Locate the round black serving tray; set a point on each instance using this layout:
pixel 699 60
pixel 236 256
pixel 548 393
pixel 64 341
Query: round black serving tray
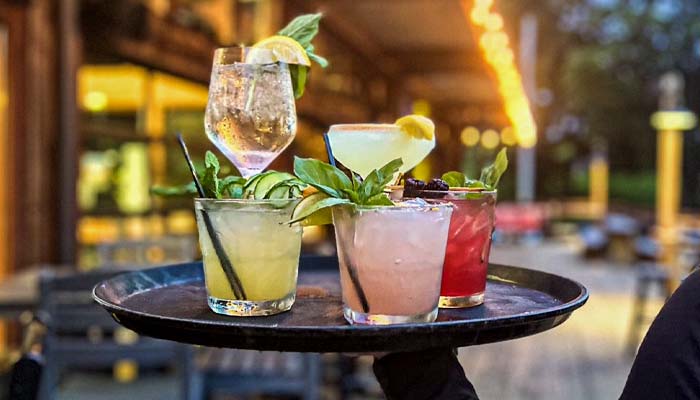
pixel 170 303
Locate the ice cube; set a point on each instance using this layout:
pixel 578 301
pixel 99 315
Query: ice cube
pixel 417 202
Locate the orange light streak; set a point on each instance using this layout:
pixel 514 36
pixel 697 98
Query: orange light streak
pixel 495 47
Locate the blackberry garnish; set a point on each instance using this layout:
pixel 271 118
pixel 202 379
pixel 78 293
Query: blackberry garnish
pixel 413 187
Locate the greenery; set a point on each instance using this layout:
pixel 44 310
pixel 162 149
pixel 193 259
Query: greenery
pixel 303 29
pixel 490 175
pixel 600 61
pixel 638 188
pixel 338 188
pixel 265 185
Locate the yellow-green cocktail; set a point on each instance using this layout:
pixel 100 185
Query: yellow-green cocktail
pixel 262 252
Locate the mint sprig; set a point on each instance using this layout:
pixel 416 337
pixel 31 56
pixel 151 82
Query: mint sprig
pixel 490 175
pixel 303 29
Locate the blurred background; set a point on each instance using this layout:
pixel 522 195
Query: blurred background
pixel 594 99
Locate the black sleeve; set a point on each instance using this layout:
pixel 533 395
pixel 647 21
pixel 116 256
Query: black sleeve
pixel 24 379
pixel 667 365
pixel 431 374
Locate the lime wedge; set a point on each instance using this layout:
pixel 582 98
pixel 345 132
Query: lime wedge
pixel 316 209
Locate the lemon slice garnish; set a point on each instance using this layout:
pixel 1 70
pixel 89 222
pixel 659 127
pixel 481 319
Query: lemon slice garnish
pixel 281 48
pixel 417 126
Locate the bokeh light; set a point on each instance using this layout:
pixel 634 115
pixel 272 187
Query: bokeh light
pixel 495 45
pixel 470 136
pixel 508 137
pixel 490 139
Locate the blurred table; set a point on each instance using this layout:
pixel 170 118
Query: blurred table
pixel 20 292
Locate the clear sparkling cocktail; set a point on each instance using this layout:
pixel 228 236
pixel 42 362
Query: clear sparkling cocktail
pixel 250 116
pixel 262 249
pixel 391 261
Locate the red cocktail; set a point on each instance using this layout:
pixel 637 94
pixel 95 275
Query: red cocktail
pixel 468 244
pixel 468 247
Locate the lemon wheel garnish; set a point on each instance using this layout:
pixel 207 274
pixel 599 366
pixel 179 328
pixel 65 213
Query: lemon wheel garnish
pixel 417 126
pixel 281 48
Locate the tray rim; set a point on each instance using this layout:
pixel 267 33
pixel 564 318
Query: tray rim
pixel 237 323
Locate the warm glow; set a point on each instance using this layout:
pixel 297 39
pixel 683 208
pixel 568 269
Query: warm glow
pixel 95 101
pixel 494 43
pixel 112 87
pixel 118 88
pixel 490 139
pixel 421 107
pixel 508 137
pixel 470 136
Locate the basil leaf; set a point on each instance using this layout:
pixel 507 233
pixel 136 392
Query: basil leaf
pixel 171 191
pixel 474 184
pixel 352 195
pixel 380 199
pixel 356 181
pixel 298 75
pixel 210 178
pixel 377 180
pixel 325 203
pixel 322 176
pixel 454 179
pixel 491 174
pixel 302 28
pixel 317 59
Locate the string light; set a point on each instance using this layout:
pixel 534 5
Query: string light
pixel 495 46
pixel 490 139
pixel 470 136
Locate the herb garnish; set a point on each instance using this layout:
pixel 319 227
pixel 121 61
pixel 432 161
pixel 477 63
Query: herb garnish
pixel 275 185
pixel 490 175
pixel 303 29
pixel 338 188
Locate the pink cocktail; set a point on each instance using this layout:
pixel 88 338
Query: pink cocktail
pixel 391 261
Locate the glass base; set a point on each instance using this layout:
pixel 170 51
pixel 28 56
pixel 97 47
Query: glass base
pixel 250 308
pixel 360 318
pixel 461 301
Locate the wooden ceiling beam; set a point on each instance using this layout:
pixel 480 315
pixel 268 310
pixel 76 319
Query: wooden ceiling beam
pixel 421 61
pixel 345 31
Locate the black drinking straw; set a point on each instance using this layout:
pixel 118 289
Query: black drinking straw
pixel 331 159
pixel 226 265
pixel 351 271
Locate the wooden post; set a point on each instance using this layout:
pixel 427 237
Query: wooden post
pixel 70 56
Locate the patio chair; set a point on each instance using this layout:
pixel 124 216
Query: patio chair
pixel 649 276
pixel 80 334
